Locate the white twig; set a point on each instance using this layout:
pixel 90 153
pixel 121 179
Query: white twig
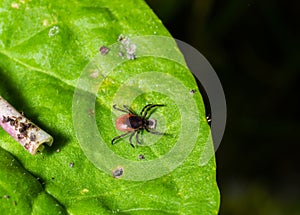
pixel 30 136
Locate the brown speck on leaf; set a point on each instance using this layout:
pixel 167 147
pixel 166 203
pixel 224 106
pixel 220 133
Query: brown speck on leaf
pixel 192 92
pixel 141 157
pixel 121 38
pixel 104 50
pixel 117 173
pixel 15 203
pixel 95 74
pixel 91 112
pixel 121 54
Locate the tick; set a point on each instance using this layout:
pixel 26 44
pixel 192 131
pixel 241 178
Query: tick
pixel 133 123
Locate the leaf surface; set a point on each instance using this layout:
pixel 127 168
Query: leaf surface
pixel 44 48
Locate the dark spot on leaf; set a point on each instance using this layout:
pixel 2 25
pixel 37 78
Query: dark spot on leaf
pixel 141 157
pixel 192 92
pixel 118 172
pixel 121 38
pixel 104 50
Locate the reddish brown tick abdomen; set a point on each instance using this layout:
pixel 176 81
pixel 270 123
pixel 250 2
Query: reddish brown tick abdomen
pixel 129 122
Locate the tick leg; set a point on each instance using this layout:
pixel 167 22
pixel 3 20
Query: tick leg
pixel 129 109
pixel 137 138
pixel 119 109
pixel 147 108
pixel 118 137
pixel 130 139
pixel 144 108
pixel 154 132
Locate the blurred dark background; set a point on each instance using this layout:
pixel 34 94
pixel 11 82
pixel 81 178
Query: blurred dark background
pixel 254 48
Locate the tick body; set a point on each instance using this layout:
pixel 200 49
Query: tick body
pixel 133 123
pixel 129 122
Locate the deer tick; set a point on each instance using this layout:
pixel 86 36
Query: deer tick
pixel 133 123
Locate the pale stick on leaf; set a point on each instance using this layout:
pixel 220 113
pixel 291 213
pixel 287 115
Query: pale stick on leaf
pixel 22 130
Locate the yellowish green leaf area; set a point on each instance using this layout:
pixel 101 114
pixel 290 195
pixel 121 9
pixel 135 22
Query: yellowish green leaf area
pixel 44 47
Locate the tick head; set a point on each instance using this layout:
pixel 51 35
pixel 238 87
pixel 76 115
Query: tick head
pixel 151 123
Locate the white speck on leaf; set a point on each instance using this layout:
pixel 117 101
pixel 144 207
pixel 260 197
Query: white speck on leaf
pixel 95 74
pixel 53 31
pixel 127 47
pixel 131 49
pixel 84 191
pixel 15 5
pixel 45 22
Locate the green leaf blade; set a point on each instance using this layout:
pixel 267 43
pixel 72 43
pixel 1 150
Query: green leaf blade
pixel 39 69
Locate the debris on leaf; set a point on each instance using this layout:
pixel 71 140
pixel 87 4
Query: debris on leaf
pixel 117 173
pixel 104 50
pixel 30 136
pixel 127 47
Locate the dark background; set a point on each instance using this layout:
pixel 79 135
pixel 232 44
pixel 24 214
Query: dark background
pixel 254 48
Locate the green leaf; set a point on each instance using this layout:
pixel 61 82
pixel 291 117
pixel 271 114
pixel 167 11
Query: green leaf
pixel 23 193
pixel 49 56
